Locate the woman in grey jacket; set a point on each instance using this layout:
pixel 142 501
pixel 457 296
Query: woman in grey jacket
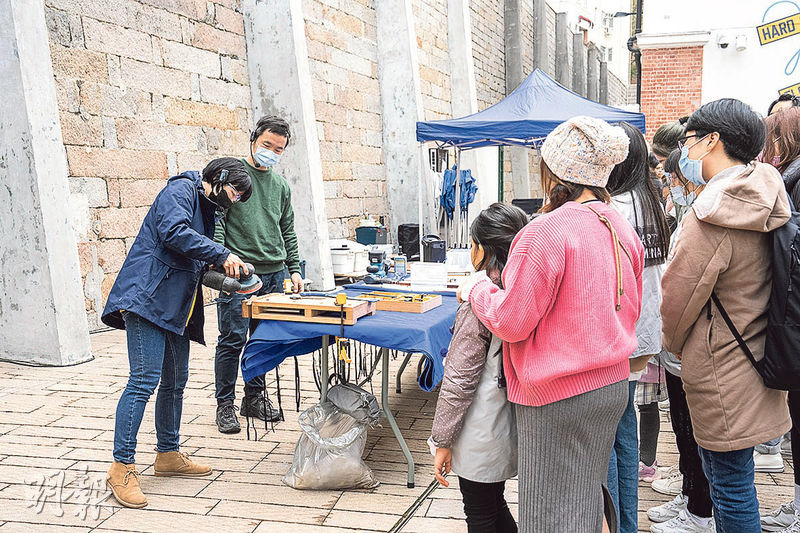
pixel 474 430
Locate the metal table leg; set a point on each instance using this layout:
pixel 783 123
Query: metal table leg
pixel 323 369
pixel 388 414
pixel 400 372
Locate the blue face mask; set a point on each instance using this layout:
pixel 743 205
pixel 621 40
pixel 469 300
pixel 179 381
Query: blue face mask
pixel 266 158
pixel 692 169
pixel 679 196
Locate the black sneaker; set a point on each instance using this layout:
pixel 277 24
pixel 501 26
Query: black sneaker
pixel 258 406
pixel 227 421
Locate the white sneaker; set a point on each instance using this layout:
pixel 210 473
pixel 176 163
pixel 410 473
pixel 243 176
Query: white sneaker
pixel 683 523
pixel 780 518
pixel 671 482
pixel 768 462
pixel 667 511
pixel 794 528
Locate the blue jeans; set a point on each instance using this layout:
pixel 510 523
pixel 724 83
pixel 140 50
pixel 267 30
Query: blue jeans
pixel 623 468
pixel 233 331
pixel 731 479
pixel 155 355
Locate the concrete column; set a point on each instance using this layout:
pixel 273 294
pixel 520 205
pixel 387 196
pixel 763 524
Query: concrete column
pixel 604 82
pixel 514 76
pixel 401 102
pixel 464 101
pixel 42 308
pixel 280 84
pixel 578 64
pixel 593 74
pixel 563 50
pixel 540 48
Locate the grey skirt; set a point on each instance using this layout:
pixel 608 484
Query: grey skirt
pixel 564 449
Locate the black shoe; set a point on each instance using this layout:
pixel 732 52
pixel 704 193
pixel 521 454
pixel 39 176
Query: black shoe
pixel 227 421
pixel 257 406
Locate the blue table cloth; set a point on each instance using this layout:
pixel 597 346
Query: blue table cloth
pixel 427 333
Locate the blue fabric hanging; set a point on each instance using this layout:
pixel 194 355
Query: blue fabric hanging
pixel 467 189
pixel 448 199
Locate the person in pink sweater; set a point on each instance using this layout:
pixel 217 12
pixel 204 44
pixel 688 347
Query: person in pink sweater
pixel 567 313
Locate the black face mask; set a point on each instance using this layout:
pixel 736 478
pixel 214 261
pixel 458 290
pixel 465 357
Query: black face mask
pixel 221 198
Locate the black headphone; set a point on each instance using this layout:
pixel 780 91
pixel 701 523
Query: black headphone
pixel 253 136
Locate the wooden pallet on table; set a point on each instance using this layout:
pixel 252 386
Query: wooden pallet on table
pixel 405 302
pixel 319 310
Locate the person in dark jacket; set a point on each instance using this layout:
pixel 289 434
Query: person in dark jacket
pixel 155 299
pixel 782 150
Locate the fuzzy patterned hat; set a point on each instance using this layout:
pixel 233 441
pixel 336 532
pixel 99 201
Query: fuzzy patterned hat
pixel 584 150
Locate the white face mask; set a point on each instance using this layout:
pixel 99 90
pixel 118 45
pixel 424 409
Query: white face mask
pixel 266 158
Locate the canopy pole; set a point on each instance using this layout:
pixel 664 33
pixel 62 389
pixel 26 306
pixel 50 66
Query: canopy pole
pixel 457 212
pixel 423 172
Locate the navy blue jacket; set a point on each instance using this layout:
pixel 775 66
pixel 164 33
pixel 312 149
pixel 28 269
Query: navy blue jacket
pixel 164 268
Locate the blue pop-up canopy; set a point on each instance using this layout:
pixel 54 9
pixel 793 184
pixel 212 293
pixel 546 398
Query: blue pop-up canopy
pixel 524 117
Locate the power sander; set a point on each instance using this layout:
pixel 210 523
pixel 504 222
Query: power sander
pixel 247 283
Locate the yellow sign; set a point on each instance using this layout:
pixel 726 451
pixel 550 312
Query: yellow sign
pixel 779 29
pixel 794 90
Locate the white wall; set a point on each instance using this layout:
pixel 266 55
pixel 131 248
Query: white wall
pixel 754 75
pixel 616 40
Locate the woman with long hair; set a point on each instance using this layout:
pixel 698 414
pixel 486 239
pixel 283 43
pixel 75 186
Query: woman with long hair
pixel 634 195
pixel 782 150
pixel 567 314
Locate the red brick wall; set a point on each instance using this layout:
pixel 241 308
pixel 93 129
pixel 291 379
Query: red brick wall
pixel 672 83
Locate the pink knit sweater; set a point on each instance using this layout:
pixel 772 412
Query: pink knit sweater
pixel 557 314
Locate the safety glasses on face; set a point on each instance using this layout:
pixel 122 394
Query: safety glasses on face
pixel 682 140
pixel 236 194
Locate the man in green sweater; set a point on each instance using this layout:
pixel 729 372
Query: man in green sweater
pixel 262 232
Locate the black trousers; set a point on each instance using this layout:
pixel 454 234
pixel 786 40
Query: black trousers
pixel 486 508
pixel 794 411
pixel 695 484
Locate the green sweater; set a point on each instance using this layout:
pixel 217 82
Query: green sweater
pixel 261 230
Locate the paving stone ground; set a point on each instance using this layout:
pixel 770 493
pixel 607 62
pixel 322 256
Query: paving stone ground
pixel 56 428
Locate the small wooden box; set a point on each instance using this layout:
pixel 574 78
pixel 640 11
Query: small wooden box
pixel 405 302
pixel 319 310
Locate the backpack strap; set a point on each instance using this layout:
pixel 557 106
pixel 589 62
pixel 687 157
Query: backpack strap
pixel 617 258
pixel 734 331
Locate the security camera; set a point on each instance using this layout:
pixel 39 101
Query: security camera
pixel 723 41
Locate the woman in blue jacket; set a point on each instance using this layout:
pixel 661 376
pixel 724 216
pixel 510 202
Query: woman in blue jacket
pixel 155 299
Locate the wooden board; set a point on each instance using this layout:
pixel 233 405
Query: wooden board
pixel 319 310
pixel 399 301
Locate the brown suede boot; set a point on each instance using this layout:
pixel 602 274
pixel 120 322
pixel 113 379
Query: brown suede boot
pixel 178 464
pixel 123 480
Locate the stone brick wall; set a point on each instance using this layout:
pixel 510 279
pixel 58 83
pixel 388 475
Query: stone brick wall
pixel 551 41
pixel 526 16
pixel 430 24
pixel 341 37
pixel 148 88
pixel 672 83
pixel 617 91
pixel 145 89
pixel 488 51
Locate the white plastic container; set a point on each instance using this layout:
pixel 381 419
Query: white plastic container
pixel 343 261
